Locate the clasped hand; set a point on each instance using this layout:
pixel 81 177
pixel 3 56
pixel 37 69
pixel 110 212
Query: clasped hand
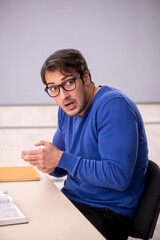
pixel 45 159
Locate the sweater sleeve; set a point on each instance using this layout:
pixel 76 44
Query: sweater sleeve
pixel 117 131
pixel 58 141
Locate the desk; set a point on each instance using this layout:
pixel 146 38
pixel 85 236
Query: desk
pixel 50 214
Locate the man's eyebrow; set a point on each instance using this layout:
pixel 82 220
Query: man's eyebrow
pixel 61 79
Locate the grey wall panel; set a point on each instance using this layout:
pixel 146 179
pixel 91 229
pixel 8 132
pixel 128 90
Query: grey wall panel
pixel 120 40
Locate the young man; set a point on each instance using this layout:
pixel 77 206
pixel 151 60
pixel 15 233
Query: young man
pixel 100 144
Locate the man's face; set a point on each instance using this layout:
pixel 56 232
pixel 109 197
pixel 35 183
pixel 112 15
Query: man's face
pixel 72 102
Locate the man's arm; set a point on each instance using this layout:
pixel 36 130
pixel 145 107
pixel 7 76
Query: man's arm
pixel 118 142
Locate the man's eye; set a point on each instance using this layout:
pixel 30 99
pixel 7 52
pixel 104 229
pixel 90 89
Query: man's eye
pixel 69 82
pixel 53 89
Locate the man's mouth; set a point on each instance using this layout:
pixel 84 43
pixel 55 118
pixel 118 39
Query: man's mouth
pixel 69 105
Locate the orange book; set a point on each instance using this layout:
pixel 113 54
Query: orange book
pixel 20 173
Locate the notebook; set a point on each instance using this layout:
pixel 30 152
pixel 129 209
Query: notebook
pixel 19 173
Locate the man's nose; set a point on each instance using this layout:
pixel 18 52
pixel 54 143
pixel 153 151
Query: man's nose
pixel 63 94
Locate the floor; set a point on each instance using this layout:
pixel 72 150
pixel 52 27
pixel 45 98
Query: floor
pixel 22 126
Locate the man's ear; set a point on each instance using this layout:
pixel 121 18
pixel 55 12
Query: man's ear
pixel 86 78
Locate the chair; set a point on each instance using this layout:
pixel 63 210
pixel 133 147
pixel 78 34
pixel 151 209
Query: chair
pixel 149 207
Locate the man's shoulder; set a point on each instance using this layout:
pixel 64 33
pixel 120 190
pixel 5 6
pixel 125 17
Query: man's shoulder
pixel 106 94
pixel 109 98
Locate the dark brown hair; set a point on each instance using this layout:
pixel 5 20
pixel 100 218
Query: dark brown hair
pixel 65 61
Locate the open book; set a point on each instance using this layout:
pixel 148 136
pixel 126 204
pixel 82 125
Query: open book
pixel 9 212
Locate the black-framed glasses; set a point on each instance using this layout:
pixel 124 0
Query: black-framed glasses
pixel 67 85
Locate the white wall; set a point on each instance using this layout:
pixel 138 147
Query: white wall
pixel 119 38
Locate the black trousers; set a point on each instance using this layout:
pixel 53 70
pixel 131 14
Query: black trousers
pixel 111 225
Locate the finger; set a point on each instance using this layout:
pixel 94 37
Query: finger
pixel 33 152
pixel 42 143
pixel 38 166
pixel 35 162
pixel 29 152
pixel 31 157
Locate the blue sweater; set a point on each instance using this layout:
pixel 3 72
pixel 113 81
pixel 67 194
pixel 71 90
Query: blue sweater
pixel 105 153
